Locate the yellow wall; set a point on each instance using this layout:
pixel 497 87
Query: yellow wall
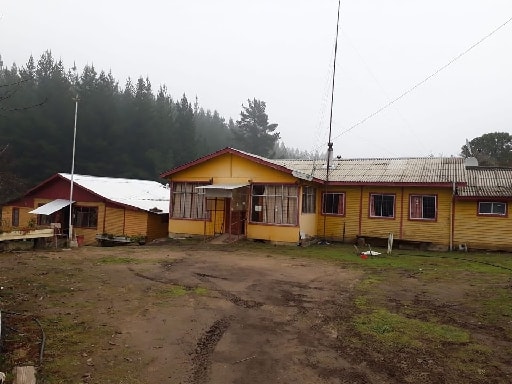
pixel 357 219
pixel 135 223
pixel 113 220
pixel 340 228
pixel 308 224
pixel 116 221
pixel 189 227
pixel 273 233
pixel 230 169
pixel 481 232
pixel 437 232
pixel 24 216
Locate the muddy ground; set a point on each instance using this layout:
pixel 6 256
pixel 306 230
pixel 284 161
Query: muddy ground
pixel 195 315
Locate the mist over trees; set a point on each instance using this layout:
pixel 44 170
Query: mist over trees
pixel 490 149
pixel 128 131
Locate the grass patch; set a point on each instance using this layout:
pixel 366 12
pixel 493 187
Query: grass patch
pixel 200 291
pixel 178 291
pixel 174 291
pixel 391 328
pixel 119 260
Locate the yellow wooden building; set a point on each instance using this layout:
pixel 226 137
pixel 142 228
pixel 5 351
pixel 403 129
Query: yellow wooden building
pixel 101 206
pixel 428 202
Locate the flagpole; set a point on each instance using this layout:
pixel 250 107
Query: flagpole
pixel 70 234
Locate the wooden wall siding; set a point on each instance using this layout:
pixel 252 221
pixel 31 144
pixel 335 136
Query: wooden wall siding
pixel 156 227
pixel 89 235
pixel 357 219
pixel 232 169
pixel 187 227
pixel 438 231
pixel 25 216
pixel 59 189
pixel 113 219
pixel 135 223
pixel 493 233
pixel 380 227
pixel 273 233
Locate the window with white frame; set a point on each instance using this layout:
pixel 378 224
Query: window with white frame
pixel 274 204
pixel 308 199
pixel 382 205
pixel 188 201
pixel 333 203
pixel 492 208
pixel 423 207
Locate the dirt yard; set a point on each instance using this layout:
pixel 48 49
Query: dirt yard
pixel 212 314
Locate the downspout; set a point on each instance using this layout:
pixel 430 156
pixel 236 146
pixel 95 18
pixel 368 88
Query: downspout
pixel 124 221
pixel 360 211
pixel 452 216
pixel 402 215
pixel 104 215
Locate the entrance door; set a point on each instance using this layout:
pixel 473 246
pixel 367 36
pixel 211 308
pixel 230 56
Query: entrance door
pixel 234 220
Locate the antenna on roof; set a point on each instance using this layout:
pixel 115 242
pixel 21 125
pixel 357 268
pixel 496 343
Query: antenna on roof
pixel 329 143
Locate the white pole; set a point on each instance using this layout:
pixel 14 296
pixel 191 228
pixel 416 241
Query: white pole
pixel 70 235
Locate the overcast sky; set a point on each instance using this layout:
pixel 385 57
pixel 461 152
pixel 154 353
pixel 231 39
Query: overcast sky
pixel 281 51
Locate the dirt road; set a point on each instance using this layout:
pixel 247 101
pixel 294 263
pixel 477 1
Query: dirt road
pixel 200 314
pixel 191 316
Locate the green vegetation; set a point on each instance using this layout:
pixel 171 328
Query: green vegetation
pixel 127 130
pixel 398 330
pixel 119 260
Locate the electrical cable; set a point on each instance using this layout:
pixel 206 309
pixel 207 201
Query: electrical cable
pixel 424 80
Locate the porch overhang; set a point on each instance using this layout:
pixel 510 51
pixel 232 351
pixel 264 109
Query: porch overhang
pixel 51 207
pixel 221 190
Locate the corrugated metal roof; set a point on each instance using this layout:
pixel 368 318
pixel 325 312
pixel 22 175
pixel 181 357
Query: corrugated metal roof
pixel 487 182
pixel 426 170
pixel 143 194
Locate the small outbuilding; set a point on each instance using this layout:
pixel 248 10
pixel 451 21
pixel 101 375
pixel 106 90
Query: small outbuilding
pixel 100 206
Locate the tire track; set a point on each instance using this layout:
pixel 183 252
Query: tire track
pixel 201 359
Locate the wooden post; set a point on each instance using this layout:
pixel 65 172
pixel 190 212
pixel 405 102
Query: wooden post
pixel 24 375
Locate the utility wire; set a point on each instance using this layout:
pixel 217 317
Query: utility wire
pixel 362 121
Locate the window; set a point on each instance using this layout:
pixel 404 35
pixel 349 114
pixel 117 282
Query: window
pixel 188 202
pixel 85 217
pixel 44 219
pixel 422 207
pixel 15 217
pixel 333 204
pixel 274 204
pixel 382 205
pixel 492 208
pixel 308 199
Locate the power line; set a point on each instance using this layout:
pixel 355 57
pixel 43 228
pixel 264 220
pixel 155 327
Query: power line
pixel 362 121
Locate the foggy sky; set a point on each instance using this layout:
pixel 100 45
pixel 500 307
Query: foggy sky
pixel 281 51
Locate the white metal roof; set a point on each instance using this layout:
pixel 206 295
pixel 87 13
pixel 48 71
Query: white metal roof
pixel 52 206
pixel 143 194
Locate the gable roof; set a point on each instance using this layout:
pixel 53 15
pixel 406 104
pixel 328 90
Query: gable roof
pixel 428 170
pixel 471 181
pixel 146 195
pixel 255 158
pixel 443 171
